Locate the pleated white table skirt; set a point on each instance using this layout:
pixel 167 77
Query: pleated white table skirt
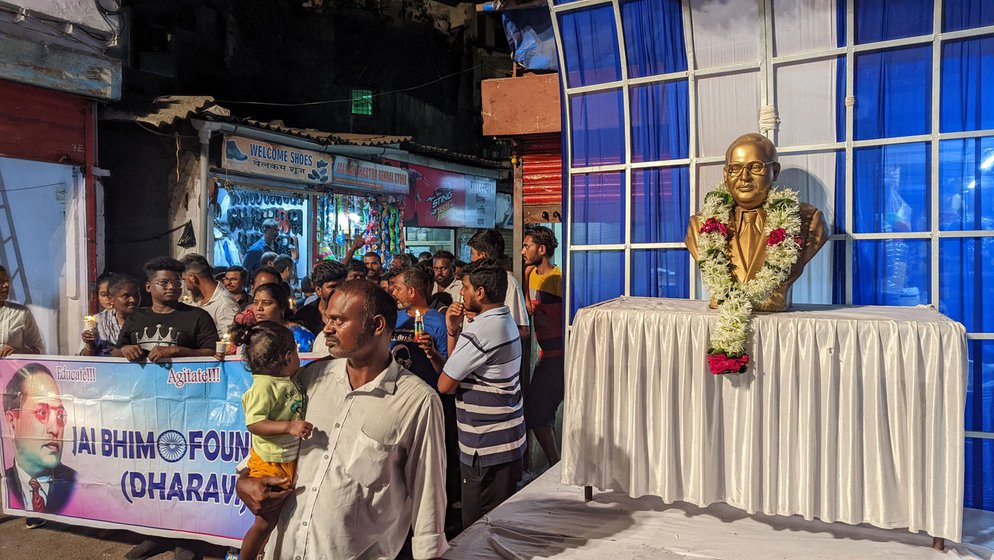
pixel 850 414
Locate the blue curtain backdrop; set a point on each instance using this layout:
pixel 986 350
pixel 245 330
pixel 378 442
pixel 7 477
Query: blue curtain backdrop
pixel 892 185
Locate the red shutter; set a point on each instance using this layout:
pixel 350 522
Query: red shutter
pixel 542 161
pixel 42 124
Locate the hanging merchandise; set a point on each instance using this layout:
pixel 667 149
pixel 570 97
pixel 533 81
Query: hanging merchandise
pixel 343 217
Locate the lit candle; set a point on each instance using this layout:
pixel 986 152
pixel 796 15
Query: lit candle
pixel 89 322
pixel 419 324
pixel 221 346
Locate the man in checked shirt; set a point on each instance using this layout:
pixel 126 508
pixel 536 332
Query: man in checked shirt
pixel 374 467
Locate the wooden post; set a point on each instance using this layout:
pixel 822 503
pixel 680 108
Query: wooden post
pixel 588 493
pixel 939 544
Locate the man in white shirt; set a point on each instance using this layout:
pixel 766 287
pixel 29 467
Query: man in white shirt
pixel 207 294
pixel 375 467
pixel 489 244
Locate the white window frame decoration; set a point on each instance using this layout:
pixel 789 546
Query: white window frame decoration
pixel 767 66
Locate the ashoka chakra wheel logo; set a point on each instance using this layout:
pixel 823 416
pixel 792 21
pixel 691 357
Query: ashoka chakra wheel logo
pixel 171 445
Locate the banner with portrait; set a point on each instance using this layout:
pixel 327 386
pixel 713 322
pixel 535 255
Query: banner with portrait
pixel 103 442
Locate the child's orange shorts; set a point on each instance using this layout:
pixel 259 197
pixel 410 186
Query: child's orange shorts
pixel 259 468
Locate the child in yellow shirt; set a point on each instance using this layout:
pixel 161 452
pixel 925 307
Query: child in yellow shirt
pixel 274 411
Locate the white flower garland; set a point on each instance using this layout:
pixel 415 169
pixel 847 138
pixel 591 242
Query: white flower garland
pixel 735 300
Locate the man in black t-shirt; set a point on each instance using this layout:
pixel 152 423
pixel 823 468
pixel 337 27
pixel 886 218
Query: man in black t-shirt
pixel 326 276
pixel 169 329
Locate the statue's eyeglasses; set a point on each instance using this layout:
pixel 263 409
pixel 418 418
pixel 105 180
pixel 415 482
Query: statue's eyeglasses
pixel 754 167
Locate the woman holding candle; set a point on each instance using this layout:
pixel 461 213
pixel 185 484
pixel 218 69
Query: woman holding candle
pixel 18 330
pixel 102 334
pixel 271 302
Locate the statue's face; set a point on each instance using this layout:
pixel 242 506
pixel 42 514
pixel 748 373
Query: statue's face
pixel 751 182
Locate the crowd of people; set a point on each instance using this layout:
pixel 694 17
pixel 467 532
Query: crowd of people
pixel 417 392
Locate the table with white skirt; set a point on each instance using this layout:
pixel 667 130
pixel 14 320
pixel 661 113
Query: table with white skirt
pixel 848 414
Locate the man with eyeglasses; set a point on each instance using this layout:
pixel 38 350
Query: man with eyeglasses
pixel 265 244
pixel 168 329
pixel 37 480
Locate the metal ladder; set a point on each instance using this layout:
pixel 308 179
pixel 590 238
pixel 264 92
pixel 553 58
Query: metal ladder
pixel 10 238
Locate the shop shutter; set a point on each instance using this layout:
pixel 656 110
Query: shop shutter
pixel 542 161
pixel 41 124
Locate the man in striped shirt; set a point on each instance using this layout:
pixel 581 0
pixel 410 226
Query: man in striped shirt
pixel 482 371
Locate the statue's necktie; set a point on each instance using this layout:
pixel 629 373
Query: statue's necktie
pixel 749 234
pixel 37 502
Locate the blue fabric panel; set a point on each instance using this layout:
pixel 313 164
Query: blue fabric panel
pixel 598 208
pixel 660 128
pixel 661 273
pixel 880 20
pixel 893 93
pixel 966 184
pixel 590 46
pixel 531 37
pixel 979 483
pixel 598 128
pixel 597 276
pixel 660 204
pixel 891 272
pixel 654 42
pixel 891 188
pixel 980 386
pixel 964 14
pixel 966 282
pixel 840 24
pixel 967 85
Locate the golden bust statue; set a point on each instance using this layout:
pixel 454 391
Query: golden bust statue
pixel 750 169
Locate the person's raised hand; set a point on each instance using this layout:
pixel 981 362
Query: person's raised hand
pixel 6 350
pixel 454 316
pixel 301 428
pixel 358 243
pixel 261 494
pixel 132 352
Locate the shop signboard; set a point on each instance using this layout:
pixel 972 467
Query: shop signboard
pixel 360 175
pixel 277 161
pixel 446 199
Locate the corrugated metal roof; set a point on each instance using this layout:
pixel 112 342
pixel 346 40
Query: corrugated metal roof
pixel 449 155
pixel 166 111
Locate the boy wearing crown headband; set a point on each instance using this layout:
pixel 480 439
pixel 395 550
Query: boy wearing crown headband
pixel 168 329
